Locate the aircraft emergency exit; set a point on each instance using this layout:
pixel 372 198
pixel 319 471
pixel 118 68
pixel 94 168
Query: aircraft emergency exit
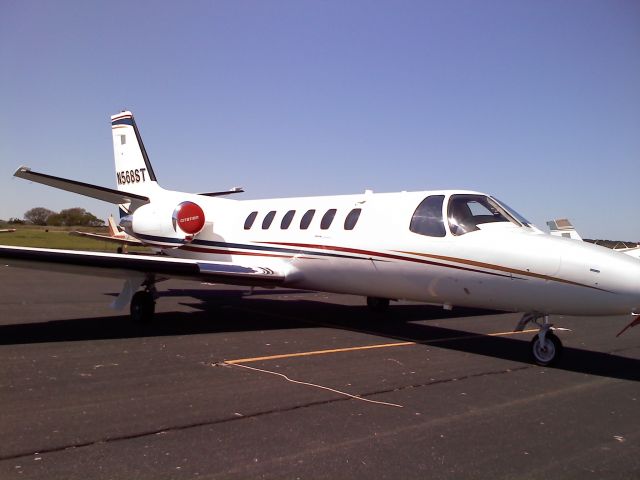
pixel 446 247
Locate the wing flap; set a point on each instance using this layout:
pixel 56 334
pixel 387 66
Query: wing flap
pixel 122 266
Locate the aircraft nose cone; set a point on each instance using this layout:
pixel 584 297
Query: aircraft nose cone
pixel 610 280
pixel 627 277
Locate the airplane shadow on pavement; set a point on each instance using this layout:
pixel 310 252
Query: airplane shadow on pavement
pixel 220 311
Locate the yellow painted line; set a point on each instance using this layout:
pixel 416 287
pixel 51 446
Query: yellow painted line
pixel 318 352
pixel 370 347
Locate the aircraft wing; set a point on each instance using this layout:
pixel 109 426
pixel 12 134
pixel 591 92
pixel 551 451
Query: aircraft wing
pixel 107 238
pixel 124 266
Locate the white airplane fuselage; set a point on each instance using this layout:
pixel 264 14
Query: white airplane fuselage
pixel 502 266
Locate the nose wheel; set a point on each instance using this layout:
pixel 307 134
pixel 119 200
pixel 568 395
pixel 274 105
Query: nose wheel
pixel 545 350
pixel 546 347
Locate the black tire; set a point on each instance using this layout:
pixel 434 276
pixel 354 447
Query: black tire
pixel 377 304
pixel 143 307
pixel 548 354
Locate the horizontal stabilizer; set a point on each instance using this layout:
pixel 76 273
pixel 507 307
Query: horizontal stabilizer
pixel 100 193
pixel 122 266
pixel 225 192
pixel 129 240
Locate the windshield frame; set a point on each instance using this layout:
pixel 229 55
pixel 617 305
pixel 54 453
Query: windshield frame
pixel 514 213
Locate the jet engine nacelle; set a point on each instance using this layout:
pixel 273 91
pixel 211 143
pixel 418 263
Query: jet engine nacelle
pixel 169 224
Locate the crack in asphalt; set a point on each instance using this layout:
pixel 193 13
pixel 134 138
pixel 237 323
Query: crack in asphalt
pixel 207 423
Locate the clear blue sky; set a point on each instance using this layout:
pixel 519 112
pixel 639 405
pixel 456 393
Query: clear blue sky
pixel 536 102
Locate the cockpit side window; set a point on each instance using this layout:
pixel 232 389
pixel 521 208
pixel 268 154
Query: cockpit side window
pixel 466 212
pixel 427 219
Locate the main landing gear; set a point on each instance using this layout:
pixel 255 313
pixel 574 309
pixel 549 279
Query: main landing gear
pixel 143 306
pixel 546 347
pixel 142 303
pixel 377 304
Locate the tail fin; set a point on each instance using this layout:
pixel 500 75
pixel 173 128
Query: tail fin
pixel 562 227
pixel 134 172
pixel 113 229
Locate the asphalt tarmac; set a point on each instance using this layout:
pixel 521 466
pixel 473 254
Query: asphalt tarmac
pixel 284 384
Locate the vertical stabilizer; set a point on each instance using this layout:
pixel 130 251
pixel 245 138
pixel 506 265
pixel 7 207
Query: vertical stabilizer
pixel 562 227
pixel 134 172
pixel 113 229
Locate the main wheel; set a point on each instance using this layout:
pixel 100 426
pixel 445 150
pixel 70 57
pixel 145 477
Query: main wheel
pixel 378 304
pixel 547 353
pixel 143 306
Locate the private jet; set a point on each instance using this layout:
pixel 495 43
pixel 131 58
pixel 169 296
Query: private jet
pixel 454 248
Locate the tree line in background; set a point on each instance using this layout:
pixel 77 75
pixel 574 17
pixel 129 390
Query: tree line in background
pixel 71 217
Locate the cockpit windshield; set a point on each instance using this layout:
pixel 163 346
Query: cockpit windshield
pixel 467 211
pixel 514 214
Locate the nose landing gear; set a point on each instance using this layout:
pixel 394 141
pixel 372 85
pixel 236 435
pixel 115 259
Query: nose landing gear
pixel 546 347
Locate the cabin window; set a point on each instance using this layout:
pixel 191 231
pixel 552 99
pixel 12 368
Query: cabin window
pixel 266 223
pixel 352 219
pixel 427 219
pixel 250 219
pixel 468 211
pixel 286 220
pixel 327 219
pixel 306 219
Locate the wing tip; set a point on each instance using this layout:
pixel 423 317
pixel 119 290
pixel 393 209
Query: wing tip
pixel 21 170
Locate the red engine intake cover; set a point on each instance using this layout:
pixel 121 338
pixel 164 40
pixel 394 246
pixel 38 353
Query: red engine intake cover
pixel 189 217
